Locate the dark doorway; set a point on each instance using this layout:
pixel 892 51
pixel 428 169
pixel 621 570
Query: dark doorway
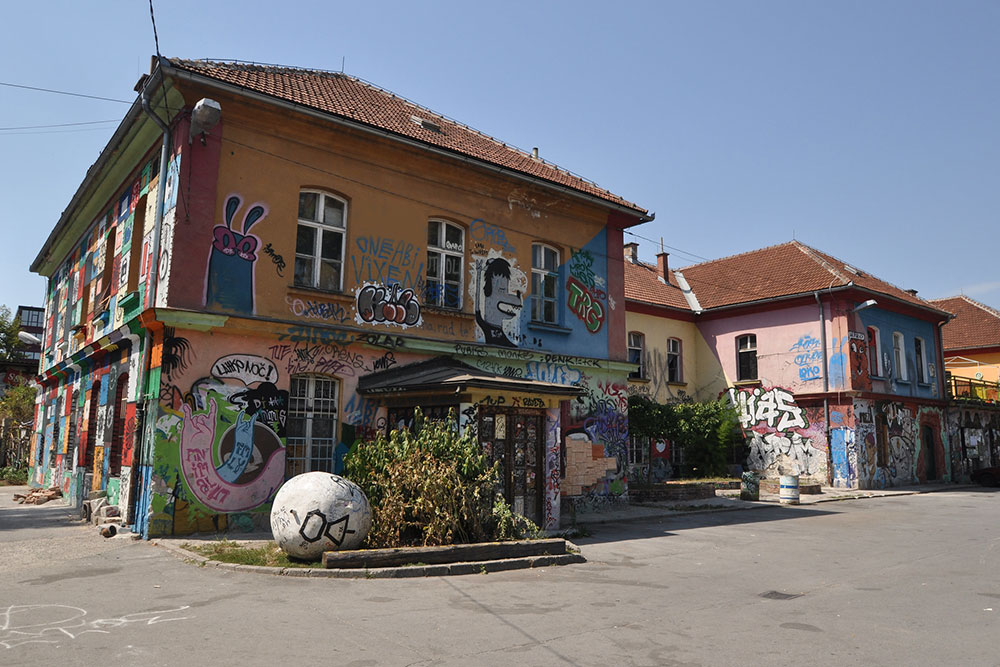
pixel 88 446
pixel 516 438
pixel 118 428
pixel 930 458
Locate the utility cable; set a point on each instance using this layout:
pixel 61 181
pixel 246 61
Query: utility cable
pixel 63 92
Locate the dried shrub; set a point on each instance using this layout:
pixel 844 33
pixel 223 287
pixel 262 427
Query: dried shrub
pixel 432 486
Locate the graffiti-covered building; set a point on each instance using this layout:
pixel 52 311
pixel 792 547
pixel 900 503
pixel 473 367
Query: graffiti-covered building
pixel 329 256
pixel 972 365
pixel 837 375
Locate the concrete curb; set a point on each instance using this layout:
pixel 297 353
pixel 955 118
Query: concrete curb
pixel 763 504
pixel 451 569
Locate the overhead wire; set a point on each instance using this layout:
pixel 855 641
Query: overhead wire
pixel 63 92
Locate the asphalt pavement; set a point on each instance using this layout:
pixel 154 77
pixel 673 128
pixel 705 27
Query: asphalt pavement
pixel 893 580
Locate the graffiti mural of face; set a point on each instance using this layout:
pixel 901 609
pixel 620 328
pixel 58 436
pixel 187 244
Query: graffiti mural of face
pixel 499 304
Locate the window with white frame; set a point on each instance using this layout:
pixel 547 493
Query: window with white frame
pixel 544 283
pixel 637 354
pixel 920 357
pixel 312 424
pixel 746 355
pixel 445 258
pixel 899 354
pixel 319 242
pixel 874 353
pixel 674 368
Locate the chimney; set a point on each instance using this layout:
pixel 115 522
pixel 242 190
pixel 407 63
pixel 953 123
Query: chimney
pixel 662 266
pixel 632 252
pixel 534 152
pixel 912 292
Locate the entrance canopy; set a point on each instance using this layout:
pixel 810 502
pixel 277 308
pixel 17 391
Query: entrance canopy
pixel 444 375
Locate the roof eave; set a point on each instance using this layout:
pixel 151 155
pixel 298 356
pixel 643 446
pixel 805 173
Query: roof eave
pixel 942 315
pixel 642 215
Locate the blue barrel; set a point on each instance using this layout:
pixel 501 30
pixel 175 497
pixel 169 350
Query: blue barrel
pixel 789 492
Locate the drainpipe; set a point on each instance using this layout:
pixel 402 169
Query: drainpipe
pixel 826 390
pixel 152 281
pixel 946 427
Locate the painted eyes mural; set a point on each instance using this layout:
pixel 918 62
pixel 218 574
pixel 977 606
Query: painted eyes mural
pixel 496 288
pixel 230 280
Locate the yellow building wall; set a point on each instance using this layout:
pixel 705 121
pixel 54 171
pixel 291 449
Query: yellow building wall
pixel 701 374
pixel 970 364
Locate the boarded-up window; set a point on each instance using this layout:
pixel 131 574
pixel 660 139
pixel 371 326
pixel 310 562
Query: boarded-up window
pixel 135 253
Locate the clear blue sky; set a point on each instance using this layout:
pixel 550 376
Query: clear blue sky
pixel 869 129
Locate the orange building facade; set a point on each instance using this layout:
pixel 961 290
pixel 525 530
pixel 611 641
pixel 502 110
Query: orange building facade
pixel 330 258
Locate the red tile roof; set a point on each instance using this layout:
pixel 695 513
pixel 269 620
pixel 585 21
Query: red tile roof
pixel 642 283
pixel 351 98
pixel 975 324
pixel 781 270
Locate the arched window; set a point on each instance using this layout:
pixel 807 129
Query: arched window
pixel 746 354
pixel 319 241
pixel 637 354
pixel 88 446
pixel 675 369
pixel 874 352
pixel 899 355
pixel 445 259
pixel 544 284
pixel 118 426
pixel 312 424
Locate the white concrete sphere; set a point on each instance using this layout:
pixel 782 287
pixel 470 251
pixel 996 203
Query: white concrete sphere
pixel 316 512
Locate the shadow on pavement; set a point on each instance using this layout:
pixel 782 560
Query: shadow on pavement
pixel 14 516
pixel 674 523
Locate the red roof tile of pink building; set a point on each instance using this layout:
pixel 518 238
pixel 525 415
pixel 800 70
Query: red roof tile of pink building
pixel 778 271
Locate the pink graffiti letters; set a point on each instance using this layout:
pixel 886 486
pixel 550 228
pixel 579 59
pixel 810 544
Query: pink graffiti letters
pixel 213 486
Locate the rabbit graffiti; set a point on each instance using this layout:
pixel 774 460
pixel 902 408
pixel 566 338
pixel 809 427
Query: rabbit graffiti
pixel 379 304
pixel 230 282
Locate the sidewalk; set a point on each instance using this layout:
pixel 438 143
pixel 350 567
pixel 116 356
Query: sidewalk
pixel 729 500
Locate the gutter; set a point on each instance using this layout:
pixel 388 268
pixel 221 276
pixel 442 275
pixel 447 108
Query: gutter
pixel 839 288
pixel 329 117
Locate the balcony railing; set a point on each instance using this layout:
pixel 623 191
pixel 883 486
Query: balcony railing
pixel 967 389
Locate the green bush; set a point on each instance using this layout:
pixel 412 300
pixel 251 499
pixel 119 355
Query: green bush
pixel 706 431
pixel 431 486
pixel 14 475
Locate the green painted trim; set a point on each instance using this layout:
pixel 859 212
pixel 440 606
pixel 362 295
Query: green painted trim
pixel 188 319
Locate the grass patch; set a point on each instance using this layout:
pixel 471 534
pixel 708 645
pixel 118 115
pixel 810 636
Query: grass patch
pixel 267 555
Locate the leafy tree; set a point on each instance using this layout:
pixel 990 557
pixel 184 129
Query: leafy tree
pixel 705 431
pixel 10 344
pixel 18 402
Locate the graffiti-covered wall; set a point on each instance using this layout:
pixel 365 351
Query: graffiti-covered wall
pixel 784 438
pixel 974 433
pixel 899 443
pixel 389 240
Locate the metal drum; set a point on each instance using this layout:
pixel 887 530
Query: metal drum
pixel 789 492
